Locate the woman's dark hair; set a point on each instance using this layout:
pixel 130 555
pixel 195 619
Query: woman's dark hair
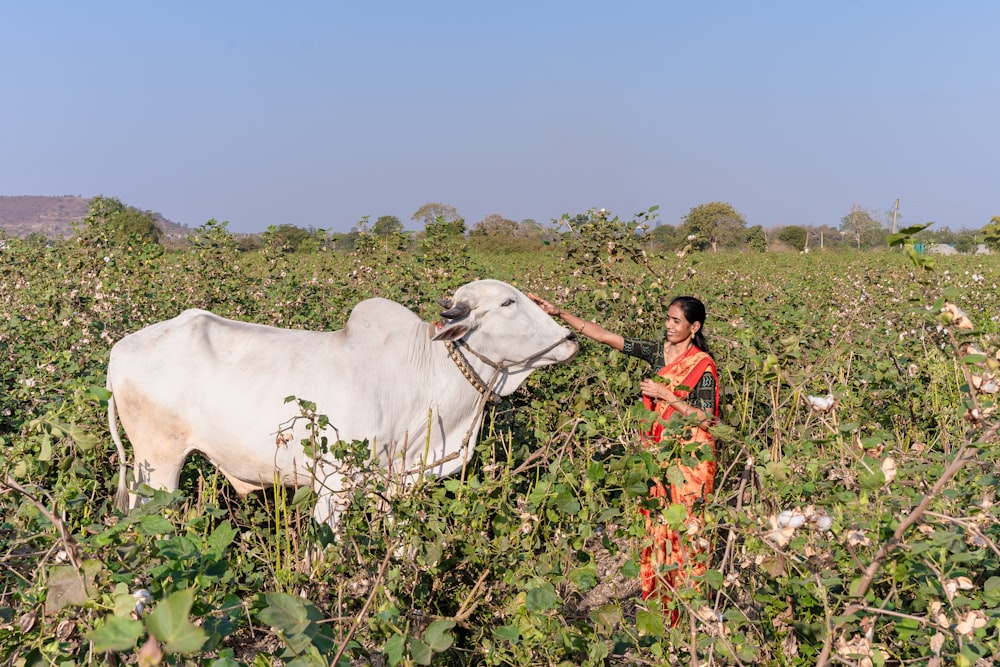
pixel 694 311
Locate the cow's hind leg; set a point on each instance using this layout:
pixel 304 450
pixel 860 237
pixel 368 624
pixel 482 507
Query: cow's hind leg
pixel 160 442
pixel 158 472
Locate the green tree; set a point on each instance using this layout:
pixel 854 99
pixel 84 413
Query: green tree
pixel 667 237
pixel 861 226
pixel 991 234
pixel 430 212
pixel 824 236
pixel 965 242
pixel 35 239
pixel 793 235
pixel 110 222
pixel 497 234
pixel 756 239
pixel 289 238
pixel 532 226
pixel 345 242
pixel 715 224
pixel 387 225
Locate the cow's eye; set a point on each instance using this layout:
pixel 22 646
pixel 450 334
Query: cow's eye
pixel 507 302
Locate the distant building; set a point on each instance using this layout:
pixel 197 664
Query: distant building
pixel 981 249
pixel 941 249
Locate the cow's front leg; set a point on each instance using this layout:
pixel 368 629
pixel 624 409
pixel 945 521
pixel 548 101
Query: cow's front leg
pixel 334 484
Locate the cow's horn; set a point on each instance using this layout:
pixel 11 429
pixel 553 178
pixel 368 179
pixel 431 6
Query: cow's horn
pixel 445 302
pixel 456 312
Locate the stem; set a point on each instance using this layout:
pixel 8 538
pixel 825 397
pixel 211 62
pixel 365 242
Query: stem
pixel 964 455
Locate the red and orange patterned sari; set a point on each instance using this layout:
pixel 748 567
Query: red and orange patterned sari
pixel 669 558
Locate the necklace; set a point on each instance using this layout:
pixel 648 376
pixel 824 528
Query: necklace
pixel 669 358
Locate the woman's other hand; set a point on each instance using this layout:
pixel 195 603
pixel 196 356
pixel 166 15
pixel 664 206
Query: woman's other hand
pixel 657 390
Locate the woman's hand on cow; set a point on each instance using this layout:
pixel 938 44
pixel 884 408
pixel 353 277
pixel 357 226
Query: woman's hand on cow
pixel 546 307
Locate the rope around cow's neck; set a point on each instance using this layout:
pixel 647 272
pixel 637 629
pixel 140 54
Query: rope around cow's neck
pixel 487 389
pixel 470 373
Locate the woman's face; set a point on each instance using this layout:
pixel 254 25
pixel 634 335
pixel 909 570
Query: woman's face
pixel 677 327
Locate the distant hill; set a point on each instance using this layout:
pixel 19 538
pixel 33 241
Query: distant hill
pixel 54 216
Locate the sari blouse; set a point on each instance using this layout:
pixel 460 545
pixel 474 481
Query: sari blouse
pixel 702 396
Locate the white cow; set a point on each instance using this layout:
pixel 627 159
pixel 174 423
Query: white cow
pixel 414 390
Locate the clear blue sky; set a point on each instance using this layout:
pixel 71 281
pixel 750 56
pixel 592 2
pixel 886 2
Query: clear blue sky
pixel 318 113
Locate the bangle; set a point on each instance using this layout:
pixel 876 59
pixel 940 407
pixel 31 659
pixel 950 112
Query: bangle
pixel 582 327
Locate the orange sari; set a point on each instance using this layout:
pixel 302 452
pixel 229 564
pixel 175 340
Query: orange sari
pixel 670 556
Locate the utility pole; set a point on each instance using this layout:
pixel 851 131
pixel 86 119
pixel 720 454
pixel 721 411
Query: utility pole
pixel 895 210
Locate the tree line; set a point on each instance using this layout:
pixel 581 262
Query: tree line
pixel 713 226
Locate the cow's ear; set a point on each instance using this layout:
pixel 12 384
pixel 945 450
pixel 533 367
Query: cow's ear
pixel 452 331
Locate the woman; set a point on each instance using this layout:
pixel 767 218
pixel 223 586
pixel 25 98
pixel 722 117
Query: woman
pixel 687 389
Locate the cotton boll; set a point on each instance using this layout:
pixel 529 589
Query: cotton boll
pixel 937 643
pixel 822 403
pixel 972 622
pixel 889 469
pixel 142 600
pixel 956 316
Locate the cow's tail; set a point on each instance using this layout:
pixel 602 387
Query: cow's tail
pixel 121 497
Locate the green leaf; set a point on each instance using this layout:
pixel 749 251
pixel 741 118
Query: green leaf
pixel 83 440
pixel 154 524
pixel 566 501
pixel 170 625
pixel 303 495
pixel 507 632
pixel 225 661
pixel 913 229
pixel 69 587
pixel 98 393
pixel 675 475
pixel 871 481
pixel 394 648
pixel 221 538
pixel 713 578
pixel 420 652
pixel 649 623
pixel 541 598
pixel 991 591
pixel 597 651
pixel 675 515
pixel 117 634
pixel 584 577
pixel 607 616
pixel 286 613
pixel 438 635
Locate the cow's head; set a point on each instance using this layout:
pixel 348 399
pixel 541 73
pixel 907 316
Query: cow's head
pixel 498 322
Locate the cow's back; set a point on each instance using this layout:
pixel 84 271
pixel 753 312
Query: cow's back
pixel 219 386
